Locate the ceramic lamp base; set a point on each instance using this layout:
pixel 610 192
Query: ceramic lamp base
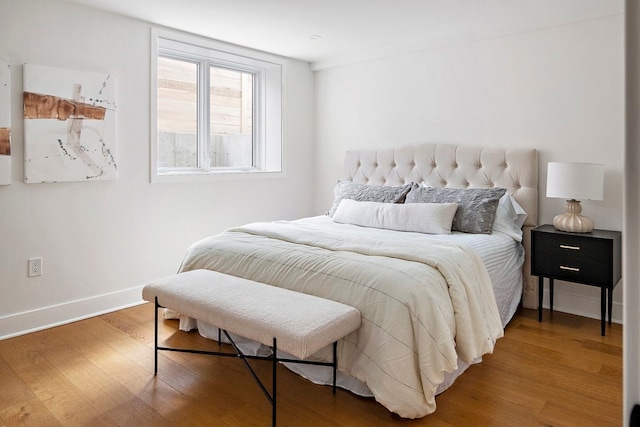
pixel 572 221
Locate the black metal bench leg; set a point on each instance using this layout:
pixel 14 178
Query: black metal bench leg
pixel 335 364
pixel 155 341
pixel 273 388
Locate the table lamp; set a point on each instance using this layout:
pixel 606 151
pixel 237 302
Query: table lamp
pixel 574 182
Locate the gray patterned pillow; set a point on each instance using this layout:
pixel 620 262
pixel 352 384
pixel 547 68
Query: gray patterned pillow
pixel 477 206
pixel 367 193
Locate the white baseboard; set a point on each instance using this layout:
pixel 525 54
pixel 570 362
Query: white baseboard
pixel 55 315
pixel 580 305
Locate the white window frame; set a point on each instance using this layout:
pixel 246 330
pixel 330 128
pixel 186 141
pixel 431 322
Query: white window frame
pixel 268 71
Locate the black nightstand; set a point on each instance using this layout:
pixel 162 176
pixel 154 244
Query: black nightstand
pixel 593 258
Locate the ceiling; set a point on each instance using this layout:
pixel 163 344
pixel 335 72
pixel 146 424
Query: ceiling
pixel 333 32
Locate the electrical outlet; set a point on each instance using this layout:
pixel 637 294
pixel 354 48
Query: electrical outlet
pixel 530 283
pixel 35 267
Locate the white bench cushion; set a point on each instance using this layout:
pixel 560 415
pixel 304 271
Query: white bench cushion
pixel 301 323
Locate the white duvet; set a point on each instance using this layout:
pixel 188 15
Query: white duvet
pixel 425 302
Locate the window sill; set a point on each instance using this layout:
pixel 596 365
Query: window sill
pixel 212 176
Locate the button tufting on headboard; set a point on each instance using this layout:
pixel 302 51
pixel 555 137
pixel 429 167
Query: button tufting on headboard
pixel 451 165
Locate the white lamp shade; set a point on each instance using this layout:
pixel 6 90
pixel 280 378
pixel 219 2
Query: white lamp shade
pixel 579 181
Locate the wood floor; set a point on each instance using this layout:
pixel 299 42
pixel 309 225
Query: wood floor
pixel 99 372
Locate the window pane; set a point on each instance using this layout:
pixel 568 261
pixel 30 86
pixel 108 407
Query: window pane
pixel 231 118
pixel 177 113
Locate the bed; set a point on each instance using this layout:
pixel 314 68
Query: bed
pixel 433 301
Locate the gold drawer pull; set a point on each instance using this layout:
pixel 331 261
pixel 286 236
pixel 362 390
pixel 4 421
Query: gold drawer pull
pixel 575 248
pixel 562 267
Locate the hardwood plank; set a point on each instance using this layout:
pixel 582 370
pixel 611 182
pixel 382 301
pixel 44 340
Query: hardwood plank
pixel 577 418
pixel 613 371
pixel 44 380
pixel 602 347
pixel 61 398
pixel 13 389
pixel 109 399
pixel 29 413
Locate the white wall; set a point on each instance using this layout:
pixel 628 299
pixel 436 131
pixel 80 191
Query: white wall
pixel 102 240
pixel 558 89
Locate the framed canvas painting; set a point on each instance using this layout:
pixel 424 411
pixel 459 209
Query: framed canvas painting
pixel 69 125
pixel 5 123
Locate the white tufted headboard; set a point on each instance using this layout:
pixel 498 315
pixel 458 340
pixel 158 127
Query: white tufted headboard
pixel 455 166
pixel 444 165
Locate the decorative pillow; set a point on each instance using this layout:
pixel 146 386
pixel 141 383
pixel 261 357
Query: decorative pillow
pixel 477 206
pixel 367 193
pixel 510 218
pixel 430 218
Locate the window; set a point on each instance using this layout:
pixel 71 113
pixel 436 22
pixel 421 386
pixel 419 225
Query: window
pixel 216 109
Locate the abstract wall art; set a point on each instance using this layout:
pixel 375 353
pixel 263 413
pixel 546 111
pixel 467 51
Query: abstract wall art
pixel 69 125
pixel 5 123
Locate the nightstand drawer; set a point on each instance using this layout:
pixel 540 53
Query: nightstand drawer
pixel 572 271
pixel 573 258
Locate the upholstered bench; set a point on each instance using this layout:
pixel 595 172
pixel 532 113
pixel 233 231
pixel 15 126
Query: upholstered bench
pixel 296 323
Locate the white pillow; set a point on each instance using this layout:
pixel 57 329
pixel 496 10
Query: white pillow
pixel 429 218
pixel 510 218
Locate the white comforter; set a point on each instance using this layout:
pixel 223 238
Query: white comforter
pixel 423 306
